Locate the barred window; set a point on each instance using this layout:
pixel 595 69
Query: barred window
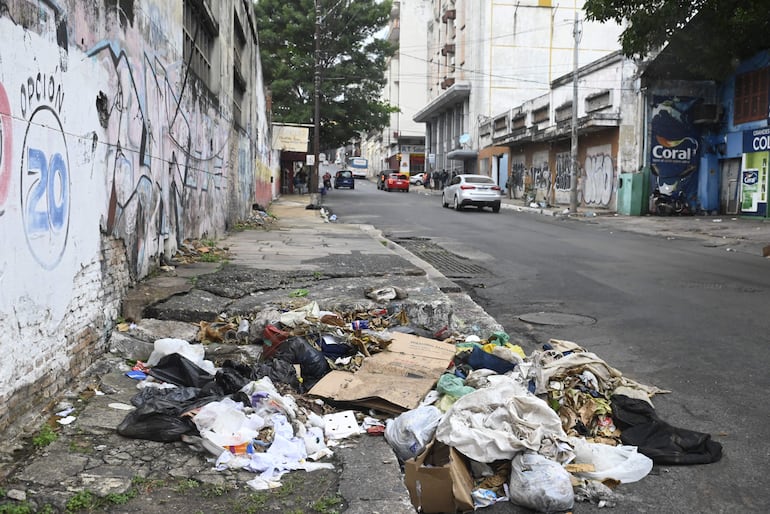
pixel 200 33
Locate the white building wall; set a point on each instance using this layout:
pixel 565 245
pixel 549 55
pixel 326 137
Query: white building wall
pixel 509 50
pixel 109 158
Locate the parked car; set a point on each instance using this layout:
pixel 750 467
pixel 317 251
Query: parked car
pixel 417 179
pixel 397 182
pixel 476 190
pixel 382 176
pixel 344 178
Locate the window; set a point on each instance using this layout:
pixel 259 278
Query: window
pixel 239 82
pixel 200 33
pixel 751 96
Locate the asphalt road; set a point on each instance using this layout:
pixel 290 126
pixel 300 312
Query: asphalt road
pixel 672 313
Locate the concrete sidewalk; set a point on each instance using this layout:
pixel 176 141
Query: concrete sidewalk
pixel 90 464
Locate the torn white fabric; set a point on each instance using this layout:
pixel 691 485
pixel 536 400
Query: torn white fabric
pixel 500 421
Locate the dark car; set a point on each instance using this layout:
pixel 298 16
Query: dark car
pixel 344 178
pixel 382 177
pixel 397 182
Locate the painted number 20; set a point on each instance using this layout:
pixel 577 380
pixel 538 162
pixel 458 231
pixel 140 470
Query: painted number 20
pixel 49 195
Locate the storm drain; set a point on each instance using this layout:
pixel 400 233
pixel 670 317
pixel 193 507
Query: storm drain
pixel 447 263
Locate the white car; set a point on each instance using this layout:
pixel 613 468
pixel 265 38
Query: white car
pixel 476 190
pixel 417 179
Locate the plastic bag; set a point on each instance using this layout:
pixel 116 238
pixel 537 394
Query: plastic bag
pixel 193 352
pixel 623 463
pixel 148 423
pixel 540 484
pixel 410 432
pixel 179 370
pixel 452 385
pixel 312 363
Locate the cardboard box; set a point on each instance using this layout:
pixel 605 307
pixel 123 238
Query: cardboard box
pixel 395 380
pixel 439 480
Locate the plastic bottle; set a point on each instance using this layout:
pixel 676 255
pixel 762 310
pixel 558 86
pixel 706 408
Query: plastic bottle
pixel 243 330
pixel 241 449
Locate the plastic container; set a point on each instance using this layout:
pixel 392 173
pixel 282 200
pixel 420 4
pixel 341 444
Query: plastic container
pixel 360 324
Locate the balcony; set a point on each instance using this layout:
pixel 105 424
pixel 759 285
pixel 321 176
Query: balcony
pixel 448 49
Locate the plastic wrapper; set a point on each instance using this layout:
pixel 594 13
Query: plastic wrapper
pixel 540 484
pixel 410 432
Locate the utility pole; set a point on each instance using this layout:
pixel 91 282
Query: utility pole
pixel 317 98
pixel 576 33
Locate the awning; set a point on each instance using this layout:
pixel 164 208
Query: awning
pixel 462 155
pixel 458 92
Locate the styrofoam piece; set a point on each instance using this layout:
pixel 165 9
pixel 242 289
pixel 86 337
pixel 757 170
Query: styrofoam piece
pixel 341 425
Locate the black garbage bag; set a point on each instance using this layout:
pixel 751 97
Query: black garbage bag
pixel 153 425
pixel 180 371
pixel 158 416
pixel 641 427
pixel 230 380
pixel 312 363
pixel 278 371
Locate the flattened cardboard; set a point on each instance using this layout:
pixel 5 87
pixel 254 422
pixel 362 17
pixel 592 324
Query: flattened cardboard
pixel 439 480
pixel 393 381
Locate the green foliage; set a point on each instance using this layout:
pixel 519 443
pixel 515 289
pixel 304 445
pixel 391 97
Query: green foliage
pixel 16 508
pixel 82 501
pixel 210 257
pixel 328 505
pixel 187 484
pixel 44 437
pixel 713 33
pixel 351 60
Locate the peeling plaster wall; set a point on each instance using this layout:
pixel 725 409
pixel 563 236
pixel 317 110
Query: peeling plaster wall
pixel 111 155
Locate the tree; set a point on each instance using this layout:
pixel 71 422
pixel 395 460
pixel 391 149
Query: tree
pixel 716 33
pixel 352 64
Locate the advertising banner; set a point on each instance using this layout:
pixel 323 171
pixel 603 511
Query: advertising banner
pixel 675 148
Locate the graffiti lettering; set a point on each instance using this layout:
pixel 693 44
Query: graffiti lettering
pixel 41 89
pixel 563 171
pixel 48 199
pixel 599 180
pixel 45 187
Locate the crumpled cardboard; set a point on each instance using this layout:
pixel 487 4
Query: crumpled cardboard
pixel 394 380
pixel 439 480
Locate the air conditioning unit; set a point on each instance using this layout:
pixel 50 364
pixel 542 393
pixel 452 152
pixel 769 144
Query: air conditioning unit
pixel 706 114
pixel 395 133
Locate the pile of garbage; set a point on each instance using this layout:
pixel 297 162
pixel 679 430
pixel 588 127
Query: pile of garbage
pixel 542 431
pixel 473 421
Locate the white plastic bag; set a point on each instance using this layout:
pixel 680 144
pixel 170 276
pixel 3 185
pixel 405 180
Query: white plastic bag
pixel 623 463
pixel 410 432
pixel 540 484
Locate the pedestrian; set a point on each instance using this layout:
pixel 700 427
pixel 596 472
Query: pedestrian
pixel 444 178
pixel 297 184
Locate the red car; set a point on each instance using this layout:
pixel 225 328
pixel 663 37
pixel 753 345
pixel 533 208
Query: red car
pixel 397 181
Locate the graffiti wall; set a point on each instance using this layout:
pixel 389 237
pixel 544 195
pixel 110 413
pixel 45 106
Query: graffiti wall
pixel 598 178
pixel 111 154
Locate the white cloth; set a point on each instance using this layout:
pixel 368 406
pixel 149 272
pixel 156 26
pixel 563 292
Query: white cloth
pixel 500 421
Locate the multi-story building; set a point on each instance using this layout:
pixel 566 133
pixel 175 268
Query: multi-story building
pixel 401 145
pixel 487 56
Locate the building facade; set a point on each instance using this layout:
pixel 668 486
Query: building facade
pixel 485 57
pixel 125 128
pixel 401 145
pixel 528 148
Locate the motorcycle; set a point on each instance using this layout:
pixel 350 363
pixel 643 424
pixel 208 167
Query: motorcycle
pixel 669 201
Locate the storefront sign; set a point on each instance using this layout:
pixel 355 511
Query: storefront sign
pixel 757 140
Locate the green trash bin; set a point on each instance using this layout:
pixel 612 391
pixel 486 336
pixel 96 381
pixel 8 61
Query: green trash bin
pixel 631 194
